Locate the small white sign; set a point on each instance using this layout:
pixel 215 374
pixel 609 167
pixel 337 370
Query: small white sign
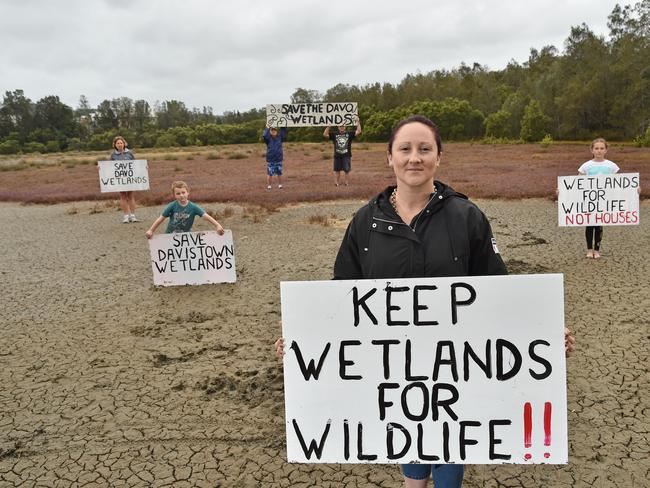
pixel 430 370
pixel 125 175
pixel 311 114
pixel 598 200
pixel 192 258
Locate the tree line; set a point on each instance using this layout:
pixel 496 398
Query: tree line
pixel 598 86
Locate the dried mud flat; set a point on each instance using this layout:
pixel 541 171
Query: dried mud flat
pixel 108 381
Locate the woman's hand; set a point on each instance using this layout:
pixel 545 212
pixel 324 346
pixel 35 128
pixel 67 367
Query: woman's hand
pixel 569 342
pixel 279 348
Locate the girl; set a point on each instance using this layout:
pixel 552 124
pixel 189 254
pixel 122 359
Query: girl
pixel 597 166
pixel 127 198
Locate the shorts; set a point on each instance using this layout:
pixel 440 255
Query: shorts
pixel 274 169
pixel 447 475
pixel 342 162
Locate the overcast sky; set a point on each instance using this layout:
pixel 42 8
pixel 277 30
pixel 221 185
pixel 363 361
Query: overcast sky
pixel 236 55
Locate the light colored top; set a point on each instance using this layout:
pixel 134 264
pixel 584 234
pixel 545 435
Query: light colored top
pixel 593 168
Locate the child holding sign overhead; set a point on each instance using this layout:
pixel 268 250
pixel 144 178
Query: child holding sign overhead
pixel 127 198
pixel 342 140
pixel 181 213
pixel 596 166
pixel 274 155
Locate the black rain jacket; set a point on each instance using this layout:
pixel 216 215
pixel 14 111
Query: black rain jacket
pixel 450 237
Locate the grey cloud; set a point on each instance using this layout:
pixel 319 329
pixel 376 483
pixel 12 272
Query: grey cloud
pixel 239 55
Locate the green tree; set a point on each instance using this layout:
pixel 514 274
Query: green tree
pixel 302 95
pixel 105 117
pixel 499 125
pixel 141 115
pixel 9 146
pixel 534 124
pixel 172 113
pixel 16 115
pixel 52 114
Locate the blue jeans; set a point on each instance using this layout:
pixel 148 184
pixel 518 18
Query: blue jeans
pixel 444 475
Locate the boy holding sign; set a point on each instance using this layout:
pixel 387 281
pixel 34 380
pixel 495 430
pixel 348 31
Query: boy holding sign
pixel 181 213
pixel 342 149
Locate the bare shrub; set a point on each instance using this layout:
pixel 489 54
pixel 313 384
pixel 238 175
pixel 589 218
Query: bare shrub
pixel 16 166
pixel 319 219
pixel 237 155
pixel 258 212
pixel 224 214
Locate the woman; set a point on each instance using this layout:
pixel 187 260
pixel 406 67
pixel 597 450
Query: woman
pixel 127 198
pixel 419 228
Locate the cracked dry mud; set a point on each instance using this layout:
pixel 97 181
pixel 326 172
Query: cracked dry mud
pixel 108 381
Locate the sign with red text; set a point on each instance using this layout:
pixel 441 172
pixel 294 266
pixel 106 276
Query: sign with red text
pixel 125 175
pixel 598 200
pixel 192 258
pixel 428 370
pixel 311 114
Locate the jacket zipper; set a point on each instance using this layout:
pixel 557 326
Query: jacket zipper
pixel 389 221
pixel 423 210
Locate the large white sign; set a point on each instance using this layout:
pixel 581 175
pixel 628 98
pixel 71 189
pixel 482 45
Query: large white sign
pixel 311 114
pixel 432 370
pixel 192 258
pixel 126 175
pixel 598 200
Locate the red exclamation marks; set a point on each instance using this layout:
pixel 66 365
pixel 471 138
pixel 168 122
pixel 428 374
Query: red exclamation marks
pixel 528 428
pixel 547 427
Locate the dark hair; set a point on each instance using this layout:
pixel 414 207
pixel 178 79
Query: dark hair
pixel 409 120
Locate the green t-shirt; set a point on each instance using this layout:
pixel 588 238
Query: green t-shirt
pixel 181 218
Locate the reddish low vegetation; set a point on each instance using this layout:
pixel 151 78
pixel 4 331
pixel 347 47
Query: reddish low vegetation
pixel 215 175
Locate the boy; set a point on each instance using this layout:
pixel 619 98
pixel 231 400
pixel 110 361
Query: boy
pixel 342 150
pixel 274 156
pixel 181 213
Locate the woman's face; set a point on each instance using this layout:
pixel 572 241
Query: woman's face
pixel 414 157
pixel 119 145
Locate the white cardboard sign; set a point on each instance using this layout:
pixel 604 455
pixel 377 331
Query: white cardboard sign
pixel 598 200
pixel 311 114
pixel 126 175
pixel 192 258
pixel 432 370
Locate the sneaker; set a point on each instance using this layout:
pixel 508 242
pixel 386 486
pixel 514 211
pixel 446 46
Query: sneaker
pixel 125 220
pixel 279 187
pixel 268 188
pixel 133 218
